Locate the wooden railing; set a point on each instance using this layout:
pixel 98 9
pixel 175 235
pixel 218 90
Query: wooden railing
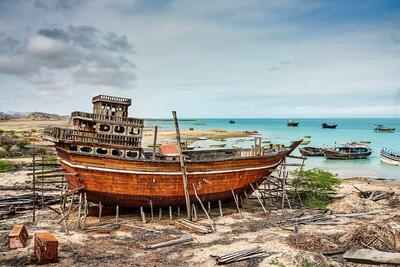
pixel 108 118
pixel 57 134
pixel 112 98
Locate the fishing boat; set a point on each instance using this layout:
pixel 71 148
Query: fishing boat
pixel 102 155
pixel 291 123
pixel 381 128
pixel 232 122
pixel 390 156
pixel 309 151
pixel 329 126
pixel 347 151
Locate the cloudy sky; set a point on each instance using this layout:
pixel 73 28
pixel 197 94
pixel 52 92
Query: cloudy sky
pixel 283 58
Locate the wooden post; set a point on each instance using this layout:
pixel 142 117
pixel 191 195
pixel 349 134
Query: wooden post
pixel 183 167
pixel 79 210
pixel 155 142
pixel 170 213
pixel 259 200
pixel 179 211
pixel 236 201
pixel 204 209
pixel 151 210
pixel 100 210
pixel 85 210
pixel 34 187
pixel 160 213
pixel 209 207
pixel 42 185
pixel 220 208
pixel 194 212
pixel 116 214
pixel 142 214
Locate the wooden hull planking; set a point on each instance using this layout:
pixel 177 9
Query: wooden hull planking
pixel 136 183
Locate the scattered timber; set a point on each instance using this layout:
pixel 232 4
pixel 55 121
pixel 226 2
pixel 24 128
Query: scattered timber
pixel 253 251
pixel 370 256
pixel 182 240
pixel 195 226
pixel 374 195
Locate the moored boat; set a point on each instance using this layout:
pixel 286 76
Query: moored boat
pixel 232 121
pixel 329 126
pixel 292 123
pixel 390 156
pixel 102 154
pixel 347 151
pixel 309 151
pixel 381 128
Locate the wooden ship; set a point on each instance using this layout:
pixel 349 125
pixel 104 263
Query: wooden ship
pixel 292 123
pixel 309 151
pixel 347 151
pixel 329 126
pixel 102 155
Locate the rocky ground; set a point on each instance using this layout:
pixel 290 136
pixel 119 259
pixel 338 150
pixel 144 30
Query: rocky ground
pixel 305 243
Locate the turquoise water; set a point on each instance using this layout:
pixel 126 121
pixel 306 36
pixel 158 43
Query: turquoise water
pixel 276 131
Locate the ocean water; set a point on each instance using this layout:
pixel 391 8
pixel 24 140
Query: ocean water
pixel 277 131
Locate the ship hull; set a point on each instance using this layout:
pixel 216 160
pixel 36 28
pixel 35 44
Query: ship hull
pixel 130 183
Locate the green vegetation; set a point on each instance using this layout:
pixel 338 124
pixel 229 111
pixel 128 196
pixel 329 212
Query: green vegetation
pixel 314 186
pixel 33 130
pixel 6 166
pixel 1 131
pixel 23 143
pixel 307 263
pixel 277 262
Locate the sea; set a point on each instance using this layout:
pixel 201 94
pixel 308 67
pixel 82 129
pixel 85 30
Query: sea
pixel 277 131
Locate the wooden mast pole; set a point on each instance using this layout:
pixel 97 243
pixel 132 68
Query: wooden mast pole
pixel 183 167
pixel 155 142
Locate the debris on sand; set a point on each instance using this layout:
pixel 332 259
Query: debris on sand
pixel 379 237
pixel 313 242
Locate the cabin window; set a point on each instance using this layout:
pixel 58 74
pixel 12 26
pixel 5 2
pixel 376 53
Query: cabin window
pixel 86 149
pixel 104 127
pixel 131 154
pixel 119 129
pixel 73 147
pixel 134 131
pixel 117 153
pixel 101 151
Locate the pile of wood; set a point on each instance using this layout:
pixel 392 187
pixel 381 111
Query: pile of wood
pixel 194 226
pixel 250 252
pixel 182 240
pixel 374 195
pixel 25 201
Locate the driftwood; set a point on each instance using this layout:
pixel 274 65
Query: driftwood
pixel 182 240
pixel 253 251
pixel 370 256
pixel 374 195
pixel 6 214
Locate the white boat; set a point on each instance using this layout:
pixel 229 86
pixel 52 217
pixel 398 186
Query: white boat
pixel 390 156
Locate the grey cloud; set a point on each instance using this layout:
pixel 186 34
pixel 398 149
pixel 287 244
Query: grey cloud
pixel 57 34
pixel 83 53
pixel 7 43
pixel 117 43
pixel 56 5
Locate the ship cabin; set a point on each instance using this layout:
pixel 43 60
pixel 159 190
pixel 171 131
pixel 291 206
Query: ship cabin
pixel 108 131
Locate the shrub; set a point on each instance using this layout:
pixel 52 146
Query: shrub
pixel 22 143
pixel 1 131
pixel 7 142
pixel 314 186
pixel 6 166
pixel 33 130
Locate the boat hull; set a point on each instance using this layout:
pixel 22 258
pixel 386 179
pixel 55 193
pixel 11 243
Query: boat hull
pixel 130 183
pixel 329 154
pixel 390 160
pixel 311 152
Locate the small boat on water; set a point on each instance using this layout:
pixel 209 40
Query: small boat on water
pixel 347 151
pixel 329 126
pixel 309 151
pixel 381 128
pixel 218 145
pixel 232 121
pixel 365 142
pixel 390 156
pixel 291 123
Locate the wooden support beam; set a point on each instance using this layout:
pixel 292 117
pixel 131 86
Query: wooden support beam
pixel 160 213
pixel 194 212
pixel 236 201
pixel 143 214
pixel 183 167
pixel 170 212
pixel 116 213
pixel 151 210
pixel 155 142
pixel 100 210
pixel 220 208
pixel 204 209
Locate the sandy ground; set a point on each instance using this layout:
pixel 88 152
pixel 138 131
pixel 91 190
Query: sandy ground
pixel 125 246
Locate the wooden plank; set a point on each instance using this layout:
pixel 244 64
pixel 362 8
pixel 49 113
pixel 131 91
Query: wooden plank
pixel 370 256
